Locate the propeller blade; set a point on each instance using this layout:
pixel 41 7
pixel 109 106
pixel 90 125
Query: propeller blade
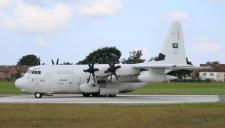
pixel 117 77
pixel 93 77
pixel 53 62
pixel 57 62
pixel 111 78
pixel 112 70
pixel 88 80
pixel 117 67
pixel 92 71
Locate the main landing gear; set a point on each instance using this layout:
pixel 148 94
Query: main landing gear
pixel 98 95
pixel 86 95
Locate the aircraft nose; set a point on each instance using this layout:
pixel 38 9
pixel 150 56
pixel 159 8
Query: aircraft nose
pixel 19 83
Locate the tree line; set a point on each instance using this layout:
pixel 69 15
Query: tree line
pixel 100 56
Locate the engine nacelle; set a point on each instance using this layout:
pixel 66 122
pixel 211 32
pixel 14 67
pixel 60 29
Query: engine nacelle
pixel 113 79
pixel 90 87
pixel 154 77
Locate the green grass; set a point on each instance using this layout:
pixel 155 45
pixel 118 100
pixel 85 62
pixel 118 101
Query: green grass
pixel 112 116
pixel 151 89
pixel 7 87
pixel 183 89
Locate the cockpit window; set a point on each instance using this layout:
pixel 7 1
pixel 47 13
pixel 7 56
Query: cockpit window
pixel 36 72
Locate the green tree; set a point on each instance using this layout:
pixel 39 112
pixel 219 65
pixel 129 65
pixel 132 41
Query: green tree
pixel 182 74
pixel 213 62
pixel 134 58
pixel 29 60
pixel 103 56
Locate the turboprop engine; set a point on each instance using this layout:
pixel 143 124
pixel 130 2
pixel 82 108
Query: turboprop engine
pixel 148 76
pixel 90 87
pixel 112 79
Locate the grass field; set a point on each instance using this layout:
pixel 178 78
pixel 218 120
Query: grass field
pixel 112 116
pixel 157 88
pixel 7 87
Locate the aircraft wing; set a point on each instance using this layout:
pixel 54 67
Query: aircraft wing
pixel 167 66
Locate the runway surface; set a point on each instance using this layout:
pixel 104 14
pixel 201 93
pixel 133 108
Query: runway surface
pixel 120 99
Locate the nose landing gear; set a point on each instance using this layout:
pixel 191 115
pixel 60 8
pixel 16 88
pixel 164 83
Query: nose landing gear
pixel 38 95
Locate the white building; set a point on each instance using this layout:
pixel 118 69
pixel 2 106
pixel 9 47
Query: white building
pixel 217 72
pixel 217 76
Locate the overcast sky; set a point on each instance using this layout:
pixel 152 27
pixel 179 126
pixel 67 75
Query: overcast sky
pixel 70 29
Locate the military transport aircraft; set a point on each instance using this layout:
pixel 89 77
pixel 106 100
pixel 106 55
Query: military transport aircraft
pixel 107 80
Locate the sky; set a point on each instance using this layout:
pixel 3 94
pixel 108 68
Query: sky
pixel 71 29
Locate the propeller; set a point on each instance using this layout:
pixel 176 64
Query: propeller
pixel 92 71
pixel 57 62
pixel 112 70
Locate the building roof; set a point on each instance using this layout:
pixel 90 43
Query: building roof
pixel 214 68
pixel 4 69
pixel 19 68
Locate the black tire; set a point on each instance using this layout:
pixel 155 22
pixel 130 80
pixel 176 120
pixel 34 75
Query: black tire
pixel 103 95
pixel 86 95
pixel 112 95
pixel 95 95
pixel 38 95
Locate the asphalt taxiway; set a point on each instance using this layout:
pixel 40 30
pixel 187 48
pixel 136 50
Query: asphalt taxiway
pixel 120 99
